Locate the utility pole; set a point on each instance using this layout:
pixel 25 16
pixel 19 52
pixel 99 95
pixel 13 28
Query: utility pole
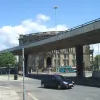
pixel 55 7
pixel 98 57
pixel 23 74
pixel 9 71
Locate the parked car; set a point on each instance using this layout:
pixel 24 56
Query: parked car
pixel 56 81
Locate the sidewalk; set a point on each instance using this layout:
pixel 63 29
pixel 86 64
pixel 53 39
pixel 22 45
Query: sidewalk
pixel 8 93
pixel 11 78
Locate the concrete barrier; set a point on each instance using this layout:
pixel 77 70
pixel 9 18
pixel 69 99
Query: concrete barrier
pixel 36 76
pixel 80 81
pixel 96 74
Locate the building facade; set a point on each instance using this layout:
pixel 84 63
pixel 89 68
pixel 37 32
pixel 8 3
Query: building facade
pixel 54 58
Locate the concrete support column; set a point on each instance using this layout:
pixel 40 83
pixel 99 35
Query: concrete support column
pixel 79 61
pixel 26 64
pixel 44 62
pixel 92 58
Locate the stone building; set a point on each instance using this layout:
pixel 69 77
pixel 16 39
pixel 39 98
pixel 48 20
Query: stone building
pixel 54 58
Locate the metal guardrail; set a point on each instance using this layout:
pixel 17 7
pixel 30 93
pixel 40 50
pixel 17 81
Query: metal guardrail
pixel 79 26
pixel 82 25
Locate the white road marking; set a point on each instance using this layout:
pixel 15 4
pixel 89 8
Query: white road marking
pixel 5 87
pixel 85 94
pixel 32 96
pixel 94 94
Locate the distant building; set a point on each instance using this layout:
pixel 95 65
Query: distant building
pixel 91 56
pixel 54 58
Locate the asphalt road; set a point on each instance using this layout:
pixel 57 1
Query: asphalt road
pixel 35 92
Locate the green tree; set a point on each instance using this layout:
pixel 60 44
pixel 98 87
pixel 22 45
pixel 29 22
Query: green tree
pixel 7 59
pixel 97 62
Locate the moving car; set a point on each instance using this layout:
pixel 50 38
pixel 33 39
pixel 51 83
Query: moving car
pixel 56 81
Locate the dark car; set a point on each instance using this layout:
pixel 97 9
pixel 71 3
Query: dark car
pixel 56 81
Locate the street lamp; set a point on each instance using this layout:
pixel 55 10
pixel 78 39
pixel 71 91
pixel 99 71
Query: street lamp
pixel 23 75
pixel 9 71
pixel 55 7
pixel 98 57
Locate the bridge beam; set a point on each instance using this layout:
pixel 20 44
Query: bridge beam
pixel 79 61
pixel 26 64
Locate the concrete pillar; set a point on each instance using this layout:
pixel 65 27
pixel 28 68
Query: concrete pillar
pixel 92 58
pixel 79 61
pixel 26 64
pixel 45 62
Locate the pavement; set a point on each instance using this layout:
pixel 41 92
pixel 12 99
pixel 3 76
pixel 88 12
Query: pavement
pixel 7 92
pixel 11 78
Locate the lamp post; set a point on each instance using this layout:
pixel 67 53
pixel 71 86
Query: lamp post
pixel 55 7
pixel 9 71
pixel 23 75
pixel 98 57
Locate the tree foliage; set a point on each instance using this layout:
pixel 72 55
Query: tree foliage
pixel 7 59
pixel 97 61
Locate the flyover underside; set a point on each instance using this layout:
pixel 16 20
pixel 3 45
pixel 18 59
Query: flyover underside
pixel 82 39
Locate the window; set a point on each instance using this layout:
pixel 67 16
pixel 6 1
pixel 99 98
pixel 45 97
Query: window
pixel 58 51
pixel 52 78
pixel 74 56
pixel 64 56
pixel 72 49
pixel 58 62
pixel 74 62
pixel 64 62
pixel 58 55
pixel 55 62
pixel 55 56
pixel 67 56
pixel 46 78
pixel 69 49
pixel 68 62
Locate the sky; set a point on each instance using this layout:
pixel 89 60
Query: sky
pixel 29 16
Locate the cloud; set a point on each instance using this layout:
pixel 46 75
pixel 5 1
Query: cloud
pixel 58 28
pixel 41 17
pixel 9 34
pixel 96 48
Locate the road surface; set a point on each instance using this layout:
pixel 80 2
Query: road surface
pixel 35 92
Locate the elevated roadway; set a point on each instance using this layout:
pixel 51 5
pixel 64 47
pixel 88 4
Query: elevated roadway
pixel 88 33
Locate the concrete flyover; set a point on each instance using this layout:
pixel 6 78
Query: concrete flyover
pixel 88 33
